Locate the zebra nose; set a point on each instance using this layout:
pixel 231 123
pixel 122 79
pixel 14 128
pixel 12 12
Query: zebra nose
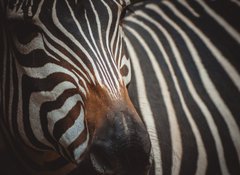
pixel 121 146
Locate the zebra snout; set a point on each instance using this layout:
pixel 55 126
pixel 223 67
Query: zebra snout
pixel 121 147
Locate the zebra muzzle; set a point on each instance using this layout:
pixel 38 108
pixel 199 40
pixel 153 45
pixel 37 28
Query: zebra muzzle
pixel 121 146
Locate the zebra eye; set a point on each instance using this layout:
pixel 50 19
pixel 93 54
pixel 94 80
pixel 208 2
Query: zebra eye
pixel 25 31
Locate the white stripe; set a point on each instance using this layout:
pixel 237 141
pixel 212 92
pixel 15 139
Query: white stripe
pixel 117 45
pixel 101 68
pixel 67 48
pixel 35 102
pixel 21 127
pixel 115 30
pixel 47 70
pixel 47 32
pixel 231 31
pixel 58 114
pixel 71 37
pixel 212 90
pixel 202 157
pixel 192 90
pixel 226 65
pixel 74 131
pixel 113 66
pixel 118 51
pixel 111 85
pixel 101 43
pixel 34 44
pixel 39 9
pixel 174 127
pixel 83 89
pixel 45 41
pixel 187 6
pixel 55 68
pixel 110 21
pixel 146 108
pixel 97 55
pixel 236 2
pixel 80 149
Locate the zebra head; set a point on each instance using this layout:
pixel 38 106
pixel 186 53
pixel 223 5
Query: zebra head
pixel 69 75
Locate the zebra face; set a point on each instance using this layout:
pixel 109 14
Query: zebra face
pixel 72 74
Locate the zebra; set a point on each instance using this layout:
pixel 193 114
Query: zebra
pixel 63 90
pixel 189 109
pixel 186 82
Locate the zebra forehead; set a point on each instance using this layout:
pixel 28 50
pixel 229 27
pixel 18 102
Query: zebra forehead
pixel 94 38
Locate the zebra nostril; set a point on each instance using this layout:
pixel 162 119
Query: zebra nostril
pixel 100 159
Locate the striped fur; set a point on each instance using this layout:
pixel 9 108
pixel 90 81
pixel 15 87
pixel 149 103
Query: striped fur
pixel 55 53
pixel 186 83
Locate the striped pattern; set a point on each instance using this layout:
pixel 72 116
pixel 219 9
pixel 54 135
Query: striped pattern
pixel 186 83
pixel 55 54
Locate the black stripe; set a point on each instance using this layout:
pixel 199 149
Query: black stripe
pixel 157 105
pixel 62 125
pixel 227 90
pixel 30 85
pixel 50 106
pixel 227 10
